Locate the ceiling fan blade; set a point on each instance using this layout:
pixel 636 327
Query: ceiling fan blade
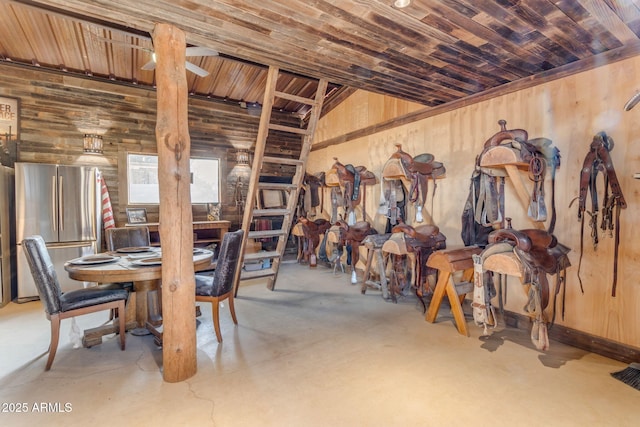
pixel 195 69
pixel 200 51
pixel 151 65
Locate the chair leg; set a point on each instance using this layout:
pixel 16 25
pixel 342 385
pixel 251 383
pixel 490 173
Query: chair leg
pixel 215 311
pixel 122 321
pixel 232 308
pixel 55 336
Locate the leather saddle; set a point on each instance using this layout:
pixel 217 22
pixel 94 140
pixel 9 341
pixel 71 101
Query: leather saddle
pixel 422 164
pixel 513 147
pixel 540 253
pixel 422 241
pixel 422 236
pixel 355 175
pixel 312 230
pixel 351 178
pixel 353 236
pixel 418 170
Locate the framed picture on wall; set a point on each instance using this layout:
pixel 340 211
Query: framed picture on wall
pixel 9 128
pixel 136 215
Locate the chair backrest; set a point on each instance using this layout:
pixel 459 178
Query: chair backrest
pixel 125 237
pixel 228 257
pixel 43 272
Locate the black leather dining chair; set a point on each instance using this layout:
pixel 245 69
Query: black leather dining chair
pixel 219 287
pixel 123 237
pixel 59 305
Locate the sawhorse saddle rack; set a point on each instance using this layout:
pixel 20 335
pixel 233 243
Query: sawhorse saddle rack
pixel 448 262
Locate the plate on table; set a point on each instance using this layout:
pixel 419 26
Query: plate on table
pixel 133 249
pixel 94 259
pixel 148 261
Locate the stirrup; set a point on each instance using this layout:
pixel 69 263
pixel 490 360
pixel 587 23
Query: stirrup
pixel 419 217
pixel 351 218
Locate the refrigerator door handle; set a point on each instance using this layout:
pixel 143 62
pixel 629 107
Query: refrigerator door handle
pixel 61 204
pixel 54 206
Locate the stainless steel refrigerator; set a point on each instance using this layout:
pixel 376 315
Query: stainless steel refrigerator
pixel 61 204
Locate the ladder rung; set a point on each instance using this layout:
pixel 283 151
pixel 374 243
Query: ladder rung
pixel 289 129
pixel 270 212
pixel 282 161
pixel 265 233
pixel 258 256
pixel 276 186
pixel 248 275
pixel 296 98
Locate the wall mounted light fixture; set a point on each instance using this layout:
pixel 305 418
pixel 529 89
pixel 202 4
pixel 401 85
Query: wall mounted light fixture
pixel 242 157
pixel 92 143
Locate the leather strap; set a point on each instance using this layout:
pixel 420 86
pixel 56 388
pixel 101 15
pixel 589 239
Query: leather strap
pixel 356 181
pixel 615 253
pixel 598 160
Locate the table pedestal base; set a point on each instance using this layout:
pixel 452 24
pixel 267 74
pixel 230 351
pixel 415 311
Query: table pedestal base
pixel 140 332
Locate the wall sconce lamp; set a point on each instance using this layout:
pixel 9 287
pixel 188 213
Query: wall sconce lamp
pixel 242 157
pixel 92 143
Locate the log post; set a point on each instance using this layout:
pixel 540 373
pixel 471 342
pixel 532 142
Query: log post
pixel 176 233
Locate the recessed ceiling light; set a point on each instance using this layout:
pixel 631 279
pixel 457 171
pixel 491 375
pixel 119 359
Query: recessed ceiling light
pixel 401 3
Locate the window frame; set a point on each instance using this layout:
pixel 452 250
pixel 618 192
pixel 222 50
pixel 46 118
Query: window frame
pixel 124 179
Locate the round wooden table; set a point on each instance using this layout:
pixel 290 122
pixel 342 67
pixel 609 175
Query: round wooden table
pixel 145 279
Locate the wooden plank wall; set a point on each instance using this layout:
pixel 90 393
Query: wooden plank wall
pixel 56 109
pixel 568 111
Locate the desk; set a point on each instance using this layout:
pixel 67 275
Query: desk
pixel 145 279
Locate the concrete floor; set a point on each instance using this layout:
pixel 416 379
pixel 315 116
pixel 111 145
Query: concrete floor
pixel 314 352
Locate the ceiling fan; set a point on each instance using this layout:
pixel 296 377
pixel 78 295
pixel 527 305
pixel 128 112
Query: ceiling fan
pixel 190 51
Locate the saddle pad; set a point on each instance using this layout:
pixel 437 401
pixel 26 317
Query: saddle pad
pixel 395 244
pixel 297 230
pixel 504 263
pixel 502 155
pixel 333 235
pixel 393 170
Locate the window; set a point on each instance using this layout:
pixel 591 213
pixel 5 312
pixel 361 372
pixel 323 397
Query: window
pixel 142 180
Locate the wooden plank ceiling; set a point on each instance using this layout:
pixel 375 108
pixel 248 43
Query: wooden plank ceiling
pixel 432 52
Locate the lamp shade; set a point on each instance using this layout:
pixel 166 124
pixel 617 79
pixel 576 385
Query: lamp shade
pixel 92 143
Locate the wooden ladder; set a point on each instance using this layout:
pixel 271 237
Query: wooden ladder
pixel 292 189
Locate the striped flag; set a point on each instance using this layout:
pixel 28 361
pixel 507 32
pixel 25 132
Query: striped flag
pixel 107 211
